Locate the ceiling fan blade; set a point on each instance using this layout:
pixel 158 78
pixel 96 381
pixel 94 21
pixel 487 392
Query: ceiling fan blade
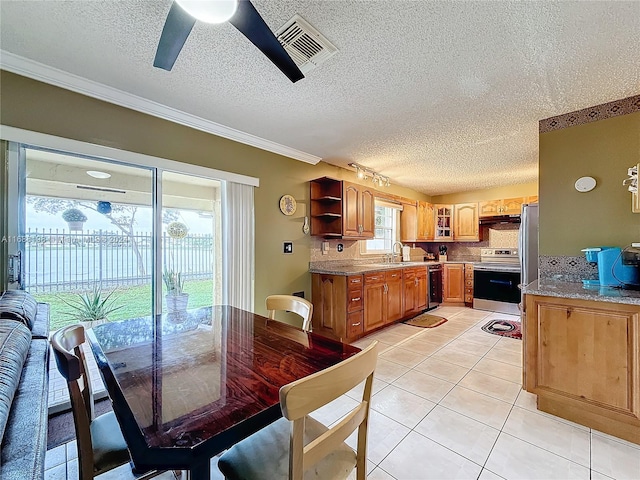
pixel 251 25
pixel 175 32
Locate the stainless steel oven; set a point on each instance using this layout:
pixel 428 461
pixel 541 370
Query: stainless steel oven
pixel 496 281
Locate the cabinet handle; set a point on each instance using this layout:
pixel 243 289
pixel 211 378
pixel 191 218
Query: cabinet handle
pixel 355 324
pixel 355 299
pixel 386 288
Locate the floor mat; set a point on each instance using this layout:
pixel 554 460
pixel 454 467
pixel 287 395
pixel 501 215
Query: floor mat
pixel 426 320
pixel 504 328
pixel 61 428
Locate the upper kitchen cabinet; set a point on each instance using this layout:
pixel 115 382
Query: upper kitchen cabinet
pixel 532 199
pixel 466 227
pixel 505 206
pixel 341 209
pixel 443 223
pixel 417 222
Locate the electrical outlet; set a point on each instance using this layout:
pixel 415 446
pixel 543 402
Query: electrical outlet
pixel 325 248
pixel 288 247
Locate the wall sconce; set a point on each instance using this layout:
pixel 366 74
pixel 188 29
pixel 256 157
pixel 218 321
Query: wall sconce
pixel 364 173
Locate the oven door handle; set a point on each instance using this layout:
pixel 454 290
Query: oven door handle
pixel 501 282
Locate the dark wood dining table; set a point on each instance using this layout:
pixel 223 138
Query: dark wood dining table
pixel 185 386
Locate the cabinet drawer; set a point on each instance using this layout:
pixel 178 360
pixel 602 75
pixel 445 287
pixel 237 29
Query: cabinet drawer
pixel 355 324
pixel 354 281
pixel 468 298
pixel 468 282
pixel 370 278
pixel 354 299
pixel 393 275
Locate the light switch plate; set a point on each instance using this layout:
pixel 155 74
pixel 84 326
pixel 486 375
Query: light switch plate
pixel 287 247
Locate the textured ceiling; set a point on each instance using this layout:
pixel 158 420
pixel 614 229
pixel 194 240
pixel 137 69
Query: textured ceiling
pixel 439 96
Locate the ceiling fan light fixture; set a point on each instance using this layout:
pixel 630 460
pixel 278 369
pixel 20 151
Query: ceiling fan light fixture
pixel 209 11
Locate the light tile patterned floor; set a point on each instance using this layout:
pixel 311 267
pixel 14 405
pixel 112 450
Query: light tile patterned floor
pixel 447 404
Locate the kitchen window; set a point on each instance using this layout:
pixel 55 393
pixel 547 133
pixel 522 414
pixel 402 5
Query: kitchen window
pixel 387 221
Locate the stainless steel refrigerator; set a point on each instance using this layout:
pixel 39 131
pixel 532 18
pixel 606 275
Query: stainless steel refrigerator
pixel 528 243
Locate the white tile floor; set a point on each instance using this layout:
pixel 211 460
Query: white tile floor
pixel 447 404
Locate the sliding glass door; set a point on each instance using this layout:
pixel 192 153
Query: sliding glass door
pixel 103 240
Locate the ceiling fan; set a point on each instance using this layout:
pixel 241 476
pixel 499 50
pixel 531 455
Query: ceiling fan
pixel 239 13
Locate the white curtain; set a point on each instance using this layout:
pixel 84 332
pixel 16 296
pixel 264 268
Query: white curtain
pixel 238 238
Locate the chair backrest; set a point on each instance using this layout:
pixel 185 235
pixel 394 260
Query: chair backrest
pixel 299 398
pixel 71 362
pixel 291 303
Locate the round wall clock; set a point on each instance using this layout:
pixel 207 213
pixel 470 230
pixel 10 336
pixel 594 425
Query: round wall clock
pixel 288 205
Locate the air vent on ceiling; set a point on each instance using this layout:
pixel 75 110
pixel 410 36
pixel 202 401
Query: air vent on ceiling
pixel 304 44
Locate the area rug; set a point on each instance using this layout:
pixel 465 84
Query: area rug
pixel 61 428
pixel 504 328
pixel 426 320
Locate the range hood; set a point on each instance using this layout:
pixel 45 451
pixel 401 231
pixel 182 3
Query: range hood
pixel 499 219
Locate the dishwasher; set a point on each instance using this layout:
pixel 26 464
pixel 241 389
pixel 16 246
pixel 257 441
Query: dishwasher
pixel 435 285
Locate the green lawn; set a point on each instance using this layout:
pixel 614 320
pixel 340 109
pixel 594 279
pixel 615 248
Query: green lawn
pixel 135 301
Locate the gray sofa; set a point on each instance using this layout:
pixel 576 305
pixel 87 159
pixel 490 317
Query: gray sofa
pixel 24 386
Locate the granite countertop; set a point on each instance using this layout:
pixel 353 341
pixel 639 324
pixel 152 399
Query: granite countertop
pixel 564 289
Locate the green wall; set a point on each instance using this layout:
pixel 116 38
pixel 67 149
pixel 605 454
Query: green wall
pixel 32 105
pixel 570 220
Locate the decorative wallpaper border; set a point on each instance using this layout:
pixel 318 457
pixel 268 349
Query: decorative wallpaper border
pixel 591 114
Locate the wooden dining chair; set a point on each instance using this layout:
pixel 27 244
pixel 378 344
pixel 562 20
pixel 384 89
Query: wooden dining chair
pixel 101 446
pixel 297 446
pixel 291 303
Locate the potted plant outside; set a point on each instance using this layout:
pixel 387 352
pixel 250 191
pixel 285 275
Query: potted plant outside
pixel 74 218
pixel 177 300
pixel 92 308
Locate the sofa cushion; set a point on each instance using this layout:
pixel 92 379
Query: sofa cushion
pixel 15 340
pixel 25 439
pixel 18 305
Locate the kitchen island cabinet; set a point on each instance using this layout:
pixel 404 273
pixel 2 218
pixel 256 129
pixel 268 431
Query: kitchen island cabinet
pixel 582 357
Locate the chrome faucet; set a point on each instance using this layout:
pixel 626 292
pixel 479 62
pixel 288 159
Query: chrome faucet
pixel 393 250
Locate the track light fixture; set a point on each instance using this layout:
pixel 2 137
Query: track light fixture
pixel 363 173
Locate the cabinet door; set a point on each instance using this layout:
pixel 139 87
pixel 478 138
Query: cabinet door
pixel 467 224
pixel 444 223
pixel 328 293
pixel 350 224
pixel 394 296
pixel 532 199
pixel 453 279
pixel 409 223
pixel 490 208
pixel 584 354
pixel 374 301
pixel 512 206
pixel 367 213
pixel 410 291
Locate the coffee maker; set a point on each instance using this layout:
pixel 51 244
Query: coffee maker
pixel 616 268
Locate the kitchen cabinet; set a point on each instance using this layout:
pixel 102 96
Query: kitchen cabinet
pixel 417 222
pixel 468 284
pixel 341 209
pixel 426 221
pixel 338 306
pixel 382 298
pixel 443 223
pixel 532 199
pixel 506 206
pixel 453 283
pixel 581 358
pixel 466 226
pixel 415 290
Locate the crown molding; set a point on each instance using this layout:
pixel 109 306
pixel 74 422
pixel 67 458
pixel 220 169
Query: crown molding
pixel 53 76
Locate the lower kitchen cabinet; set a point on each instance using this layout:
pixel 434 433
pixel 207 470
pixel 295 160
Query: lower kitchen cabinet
pixel 453 282
pixel 415 290
pixel 582 360
pixel 382 298
pixel 337 306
